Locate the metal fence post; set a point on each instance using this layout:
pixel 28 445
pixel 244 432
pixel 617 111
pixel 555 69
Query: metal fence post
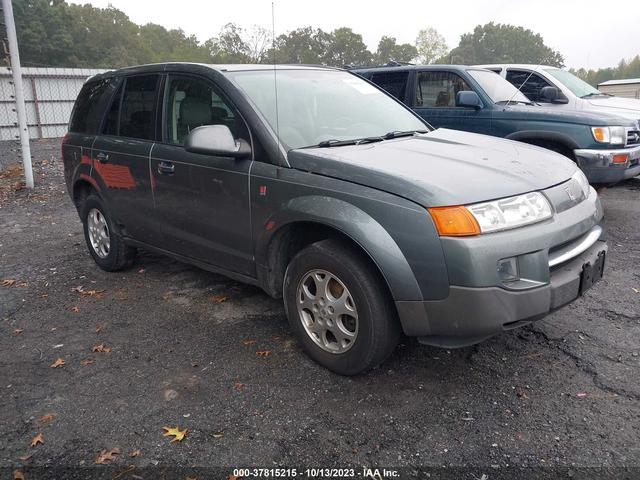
pixel 19 92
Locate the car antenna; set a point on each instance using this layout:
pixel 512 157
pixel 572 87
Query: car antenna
pixel 275 80
pixel 523 83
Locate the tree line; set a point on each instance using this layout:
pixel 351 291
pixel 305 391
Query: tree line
pixel 58 34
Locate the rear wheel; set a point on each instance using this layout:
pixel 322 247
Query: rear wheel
pixel 105 245
pixel 339 308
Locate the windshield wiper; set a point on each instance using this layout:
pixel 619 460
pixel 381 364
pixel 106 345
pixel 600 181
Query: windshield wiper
pixel 596 94
pixel 400 133
pixel 509 102
pixel 342 143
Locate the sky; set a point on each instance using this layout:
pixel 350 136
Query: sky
pixel 589 33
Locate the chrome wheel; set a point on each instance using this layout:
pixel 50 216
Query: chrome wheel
pixel 327 311
pixel 98 233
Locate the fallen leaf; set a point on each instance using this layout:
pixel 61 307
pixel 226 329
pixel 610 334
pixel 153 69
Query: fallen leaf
pixel 107 455
pixel 238 385
pixel 17 332
pixel 99 328
pixel 9 282
pixel 520 393
pixel 218 435
pixel 24 458
pixel 264 353
pixel 44 295
pixel 87 361
pixel 581 394
pixel 37 439
pixel 75 309
pixel 100 349
pixel 250 342
pixel 635 290
pixel 58 363
pixel 43 420
pixel 219 298
pixel 18 475
pixel 135 453
pixel 232 477
pixel 78 289
pixel 174 432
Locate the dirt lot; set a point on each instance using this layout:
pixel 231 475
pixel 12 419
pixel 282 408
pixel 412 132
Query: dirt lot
pixel 183 348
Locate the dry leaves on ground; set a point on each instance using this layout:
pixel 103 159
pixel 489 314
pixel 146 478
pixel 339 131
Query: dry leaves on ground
pixel 17 332
pixel 101 348
pixel 38 439
pixel 135 453
pixel 46 418
pixel 58 363
pixel 238 385
pixel 219 298
pixel 107 455
pixel 8 282
pixel 249 342
pixel 18 475
pixel 174 432
pixel 264 353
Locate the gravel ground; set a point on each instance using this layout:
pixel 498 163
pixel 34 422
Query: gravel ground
pixel 560 397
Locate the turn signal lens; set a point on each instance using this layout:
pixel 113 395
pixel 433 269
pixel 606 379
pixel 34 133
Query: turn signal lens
pixel 601 135
pixel 619 159
pixel 454 221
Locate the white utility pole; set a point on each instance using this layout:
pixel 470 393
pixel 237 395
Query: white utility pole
pixel 17 84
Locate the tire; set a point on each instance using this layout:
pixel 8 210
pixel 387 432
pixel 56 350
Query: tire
pixel 97 223
pixel 352 285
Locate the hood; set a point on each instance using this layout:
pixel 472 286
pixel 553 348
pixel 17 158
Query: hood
pixel 626 107
pixel 542 113
pixel 443 167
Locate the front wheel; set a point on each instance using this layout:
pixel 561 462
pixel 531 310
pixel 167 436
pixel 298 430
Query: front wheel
pixel 105 245
pixel 339 308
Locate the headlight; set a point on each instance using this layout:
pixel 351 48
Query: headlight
pixel 610 135
pixel 511 212
pixel 581 180
pixel 486 217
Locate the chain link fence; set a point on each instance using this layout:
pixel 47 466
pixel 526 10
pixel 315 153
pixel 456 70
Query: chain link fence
pixel 49 96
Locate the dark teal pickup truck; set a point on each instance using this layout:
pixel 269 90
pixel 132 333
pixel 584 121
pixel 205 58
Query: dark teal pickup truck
pixel 606 147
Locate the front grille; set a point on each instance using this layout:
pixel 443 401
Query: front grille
pixel 633 137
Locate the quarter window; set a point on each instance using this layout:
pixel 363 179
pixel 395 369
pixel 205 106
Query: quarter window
pixel 87 112
pixel 137 109
pixel 528 83
pixel 193 102
pixel 393 82
pixel 439 89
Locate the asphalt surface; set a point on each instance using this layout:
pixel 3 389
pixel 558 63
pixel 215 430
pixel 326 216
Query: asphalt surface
pixel 187 350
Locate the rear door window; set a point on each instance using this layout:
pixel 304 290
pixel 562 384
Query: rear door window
pixel 87 111
pixel 137 118
pixel 439 89
pixel 528 83
pixel 393 82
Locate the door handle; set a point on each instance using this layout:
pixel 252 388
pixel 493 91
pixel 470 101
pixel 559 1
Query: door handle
pixel 166 168
pixel 102 157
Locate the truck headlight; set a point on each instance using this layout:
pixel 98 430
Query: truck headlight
pixel 610 135
pixel 511 212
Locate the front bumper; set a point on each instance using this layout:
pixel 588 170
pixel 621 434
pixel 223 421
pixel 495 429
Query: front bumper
pixel 469 315
pixel 598 165
pixel 550 256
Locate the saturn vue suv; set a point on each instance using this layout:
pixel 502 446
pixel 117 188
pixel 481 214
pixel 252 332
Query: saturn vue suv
pixel 324 190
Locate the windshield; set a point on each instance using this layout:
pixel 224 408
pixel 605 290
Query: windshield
pixel 320 105
pixel 498 89
pixel 578 87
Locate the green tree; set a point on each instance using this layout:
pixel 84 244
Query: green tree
pixel 430 45
pixel 625 69
pixel 389 50
pixel 304 45
pixel 345 47
pixel 501 43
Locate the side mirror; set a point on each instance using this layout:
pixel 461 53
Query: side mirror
pixel 550 94
pixel 468 99
pixel 216 140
